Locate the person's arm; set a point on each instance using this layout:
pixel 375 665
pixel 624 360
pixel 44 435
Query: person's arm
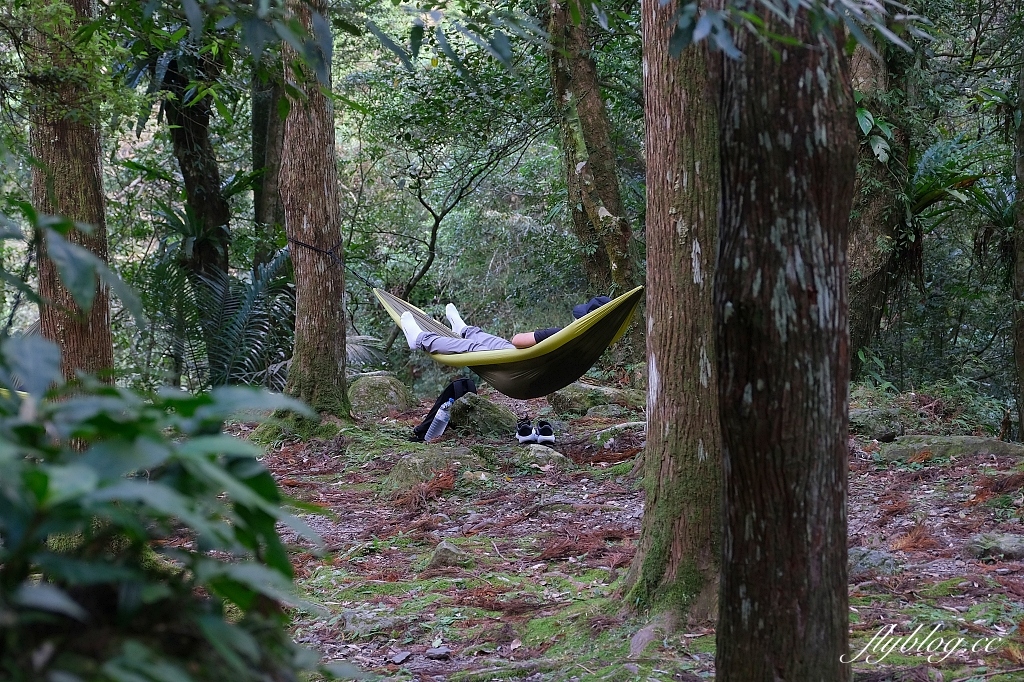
pixel 527 339
pixel 524 340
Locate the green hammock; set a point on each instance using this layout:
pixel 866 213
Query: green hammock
pixel 532 372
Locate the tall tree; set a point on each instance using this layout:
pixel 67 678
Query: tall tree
pixel 312 219
pixel 267 143
pixel 678 551
pixel 68 180
pixel 595 202
pixel 788 151
pixel 885 242
pixel 1018 258
pixel 189 120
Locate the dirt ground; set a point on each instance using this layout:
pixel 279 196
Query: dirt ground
pixel 530 588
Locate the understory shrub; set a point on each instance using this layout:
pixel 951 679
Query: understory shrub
pixel 137 541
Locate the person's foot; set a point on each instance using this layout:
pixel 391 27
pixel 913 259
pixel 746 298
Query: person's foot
pixel 525 433
pixel 452 313
pixel 544 432
pixel 411 329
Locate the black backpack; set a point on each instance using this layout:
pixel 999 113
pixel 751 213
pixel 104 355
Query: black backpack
pixel 456 390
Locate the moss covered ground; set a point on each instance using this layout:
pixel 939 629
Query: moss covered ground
pixel 536 592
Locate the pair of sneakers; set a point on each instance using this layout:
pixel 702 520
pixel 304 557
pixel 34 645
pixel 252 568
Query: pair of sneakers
pixel 526 432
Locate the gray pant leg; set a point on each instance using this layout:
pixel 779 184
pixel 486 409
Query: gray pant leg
pixel 474 340
pixel 490 341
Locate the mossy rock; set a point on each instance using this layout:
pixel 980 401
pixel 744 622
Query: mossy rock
pixel 419 467
pixel 288 426
pixel 1000 546
pixel 866 562
pixel 372 395
pixel 877 424
pixel 577 398
pixel 536 455
pixel 944 448
pixel 606 411
pixel 473 415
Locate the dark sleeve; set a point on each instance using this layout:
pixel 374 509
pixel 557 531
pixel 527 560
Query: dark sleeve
pixel 542 334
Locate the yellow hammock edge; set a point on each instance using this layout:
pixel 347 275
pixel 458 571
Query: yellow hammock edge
pixel 576 329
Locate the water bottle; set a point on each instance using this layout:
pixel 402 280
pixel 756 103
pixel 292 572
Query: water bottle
pixel 440 422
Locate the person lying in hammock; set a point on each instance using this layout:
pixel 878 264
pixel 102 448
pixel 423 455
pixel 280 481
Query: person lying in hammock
pixel 472 339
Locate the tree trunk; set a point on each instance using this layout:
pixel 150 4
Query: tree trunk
pixel 190 137
pixel 68 181
pixel 598 215
pixel 312 218
pixel 267 142
pixel 1018 262
pixel 678 553
pixel 788 150
pixel 880 252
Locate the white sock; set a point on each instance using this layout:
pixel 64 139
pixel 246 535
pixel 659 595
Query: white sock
pixel 452 313
pixel 411 329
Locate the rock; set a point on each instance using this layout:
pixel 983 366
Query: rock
pixel 577 398
pixel 542 455
pixel 418 467
pixel 438 653
pixel 447 554
pixel 945 448
pixel 1004 546
pixel 477 416
pixel 372 395
pixel 606 411
pixel 875 424
pixel 363 623
pixel 400 657
pixel 866 562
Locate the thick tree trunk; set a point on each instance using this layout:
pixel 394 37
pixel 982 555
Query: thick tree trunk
pixel 312 213
pixel 598 215
pixel 788 151
pixel 267 143
pixel 879 253
pixel 678 553
pixel 190 138
pixel 68 181
pixel 1018 262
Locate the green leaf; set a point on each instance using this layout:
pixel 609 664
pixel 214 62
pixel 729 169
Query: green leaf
pixel 415 39
pixel 68 482
pixel 35 361
pixel 129 299
pixel 48 597
pixel 880 147
pixel 195 17
pixel 77 268
pixel 865 120
pixel 387 42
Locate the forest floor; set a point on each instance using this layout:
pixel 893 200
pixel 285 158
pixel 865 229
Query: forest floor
pixel 535 592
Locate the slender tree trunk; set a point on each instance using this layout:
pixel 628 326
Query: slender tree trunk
pixel 880 253
pixel 1018 262
pixel 68 181
pixel 190 138
pixel 788 150
pixel 677 558
pixel 598 215
pixel 267 143
pixel 312 212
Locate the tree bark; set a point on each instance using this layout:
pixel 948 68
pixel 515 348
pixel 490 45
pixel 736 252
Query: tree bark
pixel 1018 262
pixel 190 138
pixel 68 181
pixel 312 218
pixel 598 215
pixel 788 150
pixel 267 143
pixel 678 553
